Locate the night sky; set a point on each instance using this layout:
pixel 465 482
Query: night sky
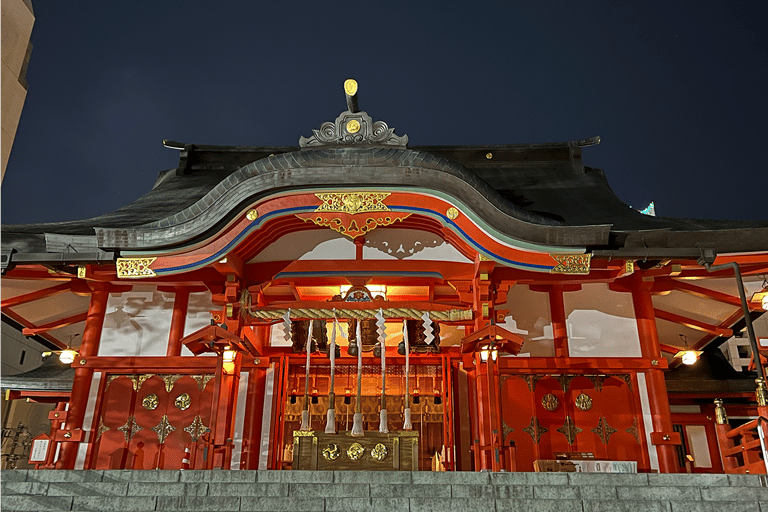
pixel 676 90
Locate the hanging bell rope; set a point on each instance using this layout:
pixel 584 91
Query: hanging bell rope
pixel 383 346
pixel 357 422
pixel 330 425
pixel 305 411
pixel 407 411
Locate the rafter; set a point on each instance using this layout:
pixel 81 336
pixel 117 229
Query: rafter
pixel 706 293
pixel 64 322
pixel 36 295
pixel 693 324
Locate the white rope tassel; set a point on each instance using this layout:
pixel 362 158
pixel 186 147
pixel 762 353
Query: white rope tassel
pixel 305 412
pixel 383 345
pixel 357 424
pixel 407 411
pixel 383 421
pixel 330 425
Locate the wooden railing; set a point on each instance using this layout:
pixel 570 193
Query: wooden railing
pixel 743 448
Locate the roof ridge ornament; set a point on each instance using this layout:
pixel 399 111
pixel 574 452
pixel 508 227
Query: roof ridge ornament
pixel 353 127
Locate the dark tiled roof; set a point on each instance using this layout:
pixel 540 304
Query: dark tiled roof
pixel 538 184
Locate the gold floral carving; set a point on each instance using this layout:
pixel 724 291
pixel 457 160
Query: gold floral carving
pixel 565 381
pixel 569 430
pixel 150 402
pixel 130 429
pixel 252 214
pixel 379 452
pixel 135 268
pixel 139 380
pixel 452 213
pixel 351 227
pixel 163 429
pixel 196 428
pixel 633 430
pixel 202 380
pixel 584 402
pixel 355 451
pixel 571 263
pixel 531 380
pixel 505 430
pixel 339 210
pixel 604 430
pixel 332 452
pixel 550 402
pixel 170 381
pixel 102 428
pixel 352 202
pixel 110 379
pixel 597 381
pixel 535 430
pixel 183 401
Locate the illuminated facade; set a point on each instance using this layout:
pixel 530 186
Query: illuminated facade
pixel 539 312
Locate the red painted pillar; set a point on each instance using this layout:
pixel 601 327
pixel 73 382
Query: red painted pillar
pixel 475 418
pixel 657 387
pixel 484 407
pixel 254 408
pixel 81 384
pixel 180 303
pixel 559 328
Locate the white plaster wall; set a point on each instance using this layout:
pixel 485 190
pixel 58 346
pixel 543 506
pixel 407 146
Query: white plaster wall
pixel 198 316
pixel 316 244
pixel 380 244
pixel 410 244
pixel 529 317
pixel 137 323
pixel 601 323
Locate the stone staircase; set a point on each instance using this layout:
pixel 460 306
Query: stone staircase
pixel 219 491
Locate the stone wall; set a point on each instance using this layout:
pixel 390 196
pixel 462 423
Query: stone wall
pixel 273 491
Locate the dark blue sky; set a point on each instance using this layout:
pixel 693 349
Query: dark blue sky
pixel 677 90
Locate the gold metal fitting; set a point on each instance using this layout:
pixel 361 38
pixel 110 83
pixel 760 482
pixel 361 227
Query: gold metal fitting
pixel 761 393
pixel 350 86
pixel 721 418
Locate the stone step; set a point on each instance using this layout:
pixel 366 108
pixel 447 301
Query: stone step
pixel 220 491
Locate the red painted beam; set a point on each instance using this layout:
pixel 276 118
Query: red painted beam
pixel 33 296
pixel 706 293
pixel 31 331
pixel 693 324
pixel 25 323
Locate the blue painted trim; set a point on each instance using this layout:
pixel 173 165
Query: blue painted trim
pixel 298 209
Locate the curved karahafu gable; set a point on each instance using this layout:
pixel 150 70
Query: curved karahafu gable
pixel 387 169
pixel 355 212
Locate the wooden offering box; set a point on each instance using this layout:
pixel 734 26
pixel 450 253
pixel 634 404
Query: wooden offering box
pixel 395 451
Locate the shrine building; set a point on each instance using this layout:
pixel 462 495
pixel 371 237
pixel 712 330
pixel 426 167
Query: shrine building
pixel 359 303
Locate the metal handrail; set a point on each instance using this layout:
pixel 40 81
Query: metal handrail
pixel 761 435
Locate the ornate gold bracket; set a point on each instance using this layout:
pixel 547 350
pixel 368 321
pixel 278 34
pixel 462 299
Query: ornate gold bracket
pixel 353 213
pixel 571 263
pixel 135 268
